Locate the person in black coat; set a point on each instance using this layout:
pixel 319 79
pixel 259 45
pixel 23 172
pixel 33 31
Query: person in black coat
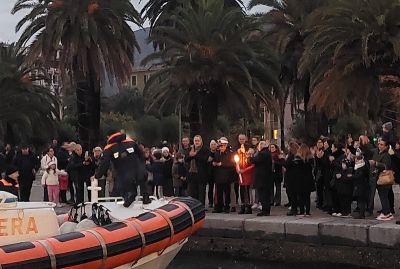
pixel 342 182
pixel 10 182
pixel 301 167
pixel 198 169
pixel 168 188
pixel 77 173
pixel 27 163
pixel 128 160
pixel 223 174
pixel 263 180
pixel 63 156
pixel 361 184
pixel 290 178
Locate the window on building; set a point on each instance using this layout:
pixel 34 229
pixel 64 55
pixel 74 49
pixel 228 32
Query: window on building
pixel 133 81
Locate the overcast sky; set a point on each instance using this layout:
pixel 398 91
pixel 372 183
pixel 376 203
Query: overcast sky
pixel 8 21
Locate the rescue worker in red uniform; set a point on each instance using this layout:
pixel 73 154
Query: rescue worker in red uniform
pixel 10 182
pixel 127 159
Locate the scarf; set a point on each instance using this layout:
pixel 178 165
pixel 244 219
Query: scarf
pixel 193 166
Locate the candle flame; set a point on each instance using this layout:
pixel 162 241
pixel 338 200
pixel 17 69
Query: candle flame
pixel 237 159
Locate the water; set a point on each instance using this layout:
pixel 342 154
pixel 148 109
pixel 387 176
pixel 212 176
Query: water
pixel 186 260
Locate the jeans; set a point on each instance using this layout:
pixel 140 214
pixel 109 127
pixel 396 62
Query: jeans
pixel 384 197
pixel 264 196
pixel 371 195
pixel 210 193
pixel 197 190
pixel 304 202
pixel 276 198
pixel 25 190
pixel 245 194
pixel 223 196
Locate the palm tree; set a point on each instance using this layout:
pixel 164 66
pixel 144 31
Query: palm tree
pixel 159 11
pixel 23 104
pixel 349 45
pixel 285 26
pixel 211 59
pixel 93 40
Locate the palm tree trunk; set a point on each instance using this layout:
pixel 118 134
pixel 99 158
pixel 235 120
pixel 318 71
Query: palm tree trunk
pixel 194 120
pixel 209 115
pixel 88 107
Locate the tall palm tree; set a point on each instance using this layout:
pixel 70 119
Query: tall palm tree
pixel 23 104
pixel 159 11
pixel 94 41
pixel 211 60
pixel 349 45
pixel 285 24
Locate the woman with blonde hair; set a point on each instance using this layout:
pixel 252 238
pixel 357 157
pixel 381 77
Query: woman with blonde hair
pixel 301 166
pixel 290 178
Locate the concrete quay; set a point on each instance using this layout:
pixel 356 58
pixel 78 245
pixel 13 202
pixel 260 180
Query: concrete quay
pixel 360 243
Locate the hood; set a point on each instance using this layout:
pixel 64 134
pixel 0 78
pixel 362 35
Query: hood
pixel 116 138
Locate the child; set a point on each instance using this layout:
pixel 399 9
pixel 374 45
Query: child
pixel 157 168
pixel 50 178
pixel 179 174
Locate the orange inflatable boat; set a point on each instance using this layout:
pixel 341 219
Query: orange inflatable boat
pixel 117 244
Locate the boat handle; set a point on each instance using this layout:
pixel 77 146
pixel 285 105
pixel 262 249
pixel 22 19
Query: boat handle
pixel 171 227
pixel 103 247
pixel 50 253
pixel 139 229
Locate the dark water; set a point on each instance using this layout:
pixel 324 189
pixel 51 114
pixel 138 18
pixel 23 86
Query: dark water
pixel 197 260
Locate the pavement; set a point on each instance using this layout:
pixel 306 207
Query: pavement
pixel 37 195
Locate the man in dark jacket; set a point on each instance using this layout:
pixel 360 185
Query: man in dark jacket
pixel 27 164
pixel 223 174
pixel 10 182
pixel 263 180
pixel 127 159
pixel 78 169
pixel 63 156
pixel 198 169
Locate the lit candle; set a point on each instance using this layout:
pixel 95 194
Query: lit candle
pixel 237 159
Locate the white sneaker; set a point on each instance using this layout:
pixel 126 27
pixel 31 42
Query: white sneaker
pixel 385 217
pixel 338 214
pixel 254 206
pixel 334 214
pixel 260 207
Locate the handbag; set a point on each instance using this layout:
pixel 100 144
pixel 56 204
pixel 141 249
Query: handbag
pixel 386 178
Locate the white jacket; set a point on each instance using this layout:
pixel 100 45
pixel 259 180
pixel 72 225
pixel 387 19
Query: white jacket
pixel 46 160
pixel 50 179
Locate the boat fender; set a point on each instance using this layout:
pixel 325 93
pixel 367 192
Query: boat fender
pixel 85 224
pixel 68 227
pixel 61 219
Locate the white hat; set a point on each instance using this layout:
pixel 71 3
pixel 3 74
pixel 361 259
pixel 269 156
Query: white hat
pixel 97 149
pixel 51 163
pixel 165 149
pixel 223 140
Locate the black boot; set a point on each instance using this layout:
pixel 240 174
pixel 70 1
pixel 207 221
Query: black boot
pixel 146 199
pixel 248 210
pixel 242 210
pixel 129 199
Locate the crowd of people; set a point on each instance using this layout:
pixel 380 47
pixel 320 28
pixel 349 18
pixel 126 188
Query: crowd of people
pixel 242 176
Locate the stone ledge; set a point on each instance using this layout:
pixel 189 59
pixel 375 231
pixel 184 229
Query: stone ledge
pixel 386 235
pixel 325 231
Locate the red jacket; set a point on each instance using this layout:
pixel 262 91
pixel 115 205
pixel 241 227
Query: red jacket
pixel 247 174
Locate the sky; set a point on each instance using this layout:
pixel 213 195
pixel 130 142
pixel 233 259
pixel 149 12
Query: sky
pixel 8 21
